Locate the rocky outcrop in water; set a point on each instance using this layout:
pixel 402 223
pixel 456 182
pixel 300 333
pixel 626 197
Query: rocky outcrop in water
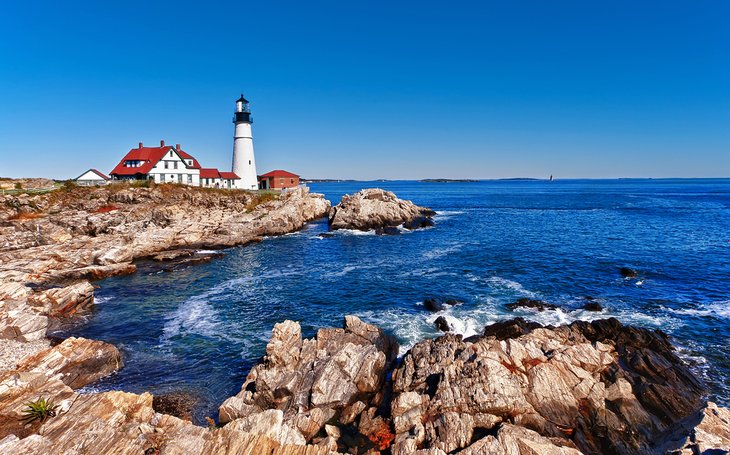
pixel 374 208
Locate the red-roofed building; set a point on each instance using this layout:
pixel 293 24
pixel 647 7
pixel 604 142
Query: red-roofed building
pixel 278 180
pixel 166 164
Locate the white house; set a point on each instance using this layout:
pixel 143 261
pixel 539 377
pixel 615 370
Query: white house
pixel 92 177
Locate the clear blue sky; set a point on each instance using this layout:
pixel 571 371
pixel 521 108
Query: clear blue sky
pixel 372 89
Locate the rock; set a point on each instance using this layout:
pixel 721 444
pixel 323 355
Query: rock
pixel 76 361
pixel 531 303
pixel 628 272
pixel 19 321
pixel 419 222
pixel 511 328
pixel 325 235
pixel 66 301
pixel 387 230
pixel 178 404
pixel 442 324
pixel 313 381
pixel 711 435
pixel 377 209
pixel 435 304
pixel 523 388
pixel 592 306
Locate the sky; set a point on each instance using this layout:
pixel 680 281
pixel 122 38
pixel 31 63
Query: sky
pixel 368 90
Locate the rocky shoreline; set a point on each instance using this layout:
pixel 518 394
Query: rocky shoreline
pixel 518 388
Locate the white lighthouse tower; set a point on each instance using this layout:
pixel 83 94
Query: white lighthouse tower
pixel 244 164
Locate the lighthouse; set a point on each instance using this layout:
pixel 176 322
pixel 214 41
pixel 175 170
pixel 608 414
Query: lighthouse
pixel 244 164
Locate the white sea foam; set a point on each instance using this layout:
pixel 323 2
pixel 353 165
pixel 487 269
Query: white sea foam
pixel 504 283
pixel 717 309
pixel 195 316
pixel 101 300
pixel 440 252
pixel 206 252
pixel 446 214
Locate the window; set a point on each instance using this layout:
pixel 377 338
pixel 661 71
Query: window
pixel 291 181
pixel 190 179
pixel 249 162
pixel 170 153
pixel 167 165
pixel 281 181
pixel 175 164
pixel 179 178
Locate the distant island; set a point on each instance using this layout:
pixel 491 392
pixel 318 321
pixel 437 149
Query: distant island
pixel 448 180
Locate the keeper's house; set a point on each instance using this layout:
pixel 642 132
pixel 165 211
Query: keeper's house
pixel 278 180
pixel 166 164
pixel 92 177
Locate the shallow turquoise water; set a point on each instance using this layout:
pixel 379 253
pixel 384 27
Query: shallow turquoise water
pixel 202 328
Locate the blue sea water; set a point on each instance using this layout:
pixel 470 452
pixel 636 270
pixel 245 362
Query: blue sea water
pixel 202 328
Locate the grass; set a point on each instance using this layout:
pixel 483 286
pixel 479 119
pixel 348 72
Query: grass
pixel 39 410
pixel 261 198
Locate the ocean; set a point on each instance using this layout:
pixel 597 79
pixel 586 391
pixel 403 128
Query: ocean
pixel 201 329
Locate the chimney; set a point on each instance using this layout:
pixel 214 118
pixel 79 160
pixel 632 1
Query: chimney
pixel 177 147
pixel 140 145
pixel 162 143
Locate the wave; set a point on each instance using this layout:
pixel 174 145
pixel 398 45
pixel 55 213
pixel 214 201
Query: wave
pixel 504 283
pixel 716 309
pixel 440 252
pixel 101 300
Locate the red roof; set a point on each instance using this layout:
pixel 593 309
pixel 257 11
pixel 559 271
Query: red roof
pixel 278 173
pixel 209 173
pixel 149 156
pixel 229 175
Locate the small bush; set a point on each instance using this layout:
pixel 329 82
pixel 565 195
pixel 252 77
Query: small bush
pixel 69 185
pixel 40 410
pixel 18 186
pixel 141 183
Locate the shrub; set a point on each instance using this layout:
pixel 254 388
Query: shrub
pixel 18 186
pixel 382 437
pixel 40 409
pixel 69 185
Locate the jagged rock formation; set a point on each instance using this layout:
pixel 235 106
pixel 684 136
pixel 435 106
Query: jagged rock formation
pixel 114 422
pixel 374 208
pixel 520 388
pixel 336 377
pixel 597 387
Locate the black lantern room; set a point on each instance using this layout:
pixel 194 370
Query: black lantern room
pixel 243 111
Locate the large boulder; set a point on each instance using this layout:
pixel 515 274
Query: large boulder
pixel 374 208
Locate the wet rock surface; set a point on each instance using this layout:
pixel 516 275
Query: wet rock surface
pixel 374 208
pixel 525 302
